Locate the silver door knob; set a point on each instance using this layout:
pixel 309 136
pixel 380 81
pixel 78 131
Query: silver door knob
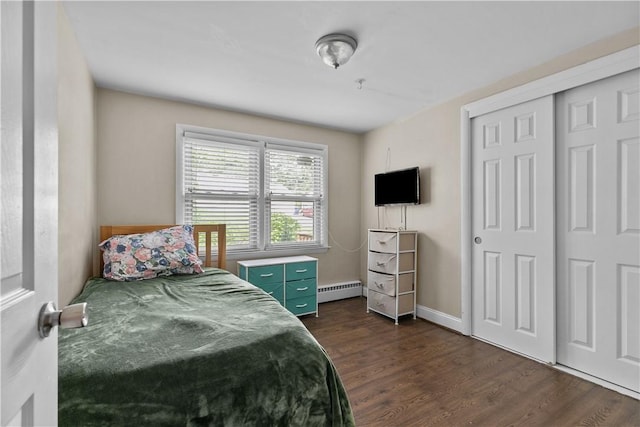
pixel 72 316
pixel 478 240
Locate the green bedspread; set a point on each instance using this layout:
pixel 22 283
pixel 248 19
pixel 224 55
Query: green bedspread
pixel 204 350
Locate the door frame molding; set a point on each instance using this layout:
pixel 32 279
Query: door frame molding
pixel 606 66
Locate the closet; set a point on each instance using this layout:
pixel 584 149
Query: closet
pixel 555 228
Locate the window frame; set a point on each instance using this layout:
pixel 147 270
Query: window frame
pixel 264 247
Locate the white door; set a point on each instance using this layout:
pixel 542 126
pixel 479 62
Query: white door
pixel 28 190
pixel 599 229
pixel 512 223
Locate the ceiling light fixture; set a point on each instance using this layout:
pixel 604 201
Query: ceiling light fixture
pixel 336 49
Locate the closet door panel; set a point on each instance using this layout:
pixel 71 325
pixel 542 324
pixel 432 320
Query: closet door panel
pixel 513 209
pixel 598 217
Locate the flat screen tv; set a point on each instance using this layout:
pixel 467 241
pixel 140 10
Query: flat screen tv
pixel 399 187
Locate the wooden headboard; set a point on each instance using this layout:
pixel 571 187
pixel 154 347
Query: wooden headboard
pixel 107 231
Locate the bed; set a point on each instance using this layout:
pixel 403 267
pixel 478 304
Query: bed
pixel 204 349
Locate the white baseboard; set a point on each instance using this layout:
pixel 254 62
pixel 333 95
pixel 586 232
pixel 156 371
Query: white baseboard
pixel 440 318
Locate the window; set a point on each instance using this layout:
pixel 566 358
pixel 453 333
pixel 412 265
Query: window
pixel 270 193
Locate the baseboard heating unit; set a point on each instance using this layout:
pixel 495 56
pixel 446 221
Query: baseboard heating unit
pixel 338 291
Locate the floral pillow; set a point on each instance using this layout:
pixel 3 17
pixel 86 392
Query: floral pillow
pixel 144 256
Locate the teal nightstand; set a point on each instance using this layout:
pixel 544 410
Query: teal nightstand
pixel 293 281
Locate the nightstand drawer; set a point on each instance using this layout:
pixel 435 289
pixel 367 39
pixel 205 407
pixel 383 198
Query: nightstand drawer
pixel 267 274
pixel 387 305
pixel 301 288
pixel 276 290
pixel 382 263
pixel 302 305
pixel 300 270
pixel 383 283
pixel 379 241
pixel 386 263
pixel 386 283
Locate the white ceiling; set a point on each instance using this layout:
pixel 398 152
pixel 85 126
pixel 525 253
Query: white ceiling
pixel 259 57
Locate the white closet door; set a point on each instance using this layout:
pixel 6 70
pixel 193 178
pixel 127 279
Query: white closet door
pixel 599 229
pixel 513 227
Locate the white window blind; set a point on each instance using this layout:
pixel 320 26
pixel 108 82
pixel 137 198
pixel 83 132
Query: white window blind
pixel 270 193
pixel 294 180
pixel 222 186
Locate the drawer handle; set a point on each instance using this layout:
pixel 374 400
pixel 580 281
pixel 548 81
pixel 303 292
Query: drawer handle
pixel 388 239
pixel 383 263
pixel 266 275
pixel 301 271
pixel 302 289
pixel 379 285
pixel 301 305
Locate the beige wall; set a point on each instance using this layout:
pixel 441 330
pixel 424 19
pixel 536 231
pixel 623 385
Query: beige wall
pixel 134 180
pixel 431 139
pixel 77 201
pixel 136 170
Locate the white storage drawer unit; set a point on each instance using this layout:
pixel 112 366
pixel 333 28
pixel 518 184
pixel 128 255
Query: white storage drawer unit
pixel 391 279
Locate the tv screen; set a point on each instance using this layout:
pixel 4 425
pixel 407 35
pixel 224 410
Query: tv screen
pixel 400 187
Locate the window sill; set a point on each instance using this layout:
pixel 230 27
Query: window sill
pixel 276 253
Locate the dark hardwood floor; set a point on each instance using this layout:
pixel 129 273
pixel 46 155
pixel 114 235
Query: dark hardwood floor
pixel 419 374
